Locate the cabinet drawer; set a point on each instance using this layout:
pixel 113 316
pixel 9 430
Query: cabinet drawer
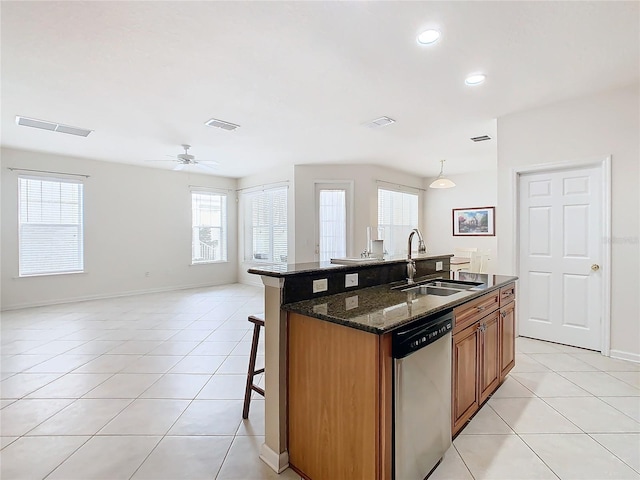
pixel 507 294
pixel 474 310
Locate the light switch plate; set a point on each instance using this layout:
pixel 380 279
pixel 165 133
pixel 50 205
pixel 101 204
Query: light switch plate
pixel 351 280
pixel 320 285
pixel 438 266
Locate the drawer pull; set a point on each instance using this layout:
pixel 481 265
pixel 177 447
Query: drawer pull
pixel 480 309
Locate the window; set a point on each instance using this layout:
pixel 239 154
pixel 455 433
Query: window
pixel 332 223
pixel 209 227
pixel 50 226
pixel 397 216
pixel 266 226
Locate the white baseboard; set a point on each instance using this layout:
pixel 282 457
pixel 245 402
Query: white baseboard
pixel 631 357
pixel 277 462
pixel 109 295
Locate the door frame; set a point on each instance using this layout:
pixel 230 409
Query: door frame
pixel 349 198
pixel 605 264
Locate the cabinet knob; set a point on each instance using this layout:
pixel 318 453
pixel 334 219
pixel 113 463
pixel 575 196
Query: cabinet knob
pixel 595 267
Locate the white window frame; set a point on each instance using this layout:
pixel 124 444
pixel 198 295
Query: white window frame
pixel 22 225
pixel 389 242
pixel 347 186
pixel 202 247
pixel 268 194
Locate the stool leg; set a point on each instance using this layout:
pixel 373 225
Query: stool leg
pixel 251 371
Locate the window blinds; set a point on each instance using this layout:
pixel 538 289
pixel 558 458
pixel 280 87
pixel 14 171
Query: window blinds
pixel 266 226
pixel 397 216
pixel 50 216
pixel 208 227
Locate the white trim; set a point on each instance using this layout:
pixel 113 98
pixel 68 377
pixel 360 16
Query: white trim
pixel 215 190
pixel 628 356
pixel 277 462
pixel 262 188
pixel 276 282
pixel 605 167
pixel 113 295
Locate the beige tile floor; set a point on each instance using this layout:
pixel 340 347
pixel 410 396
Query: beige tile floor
pixel 151 387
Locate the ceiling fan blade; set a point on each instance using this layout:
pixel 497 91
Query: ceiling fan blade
pixel 179 167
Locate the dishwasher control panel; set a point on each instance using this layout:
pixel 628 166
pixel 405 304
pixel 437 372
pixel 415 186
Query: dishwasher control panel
pixel 409 339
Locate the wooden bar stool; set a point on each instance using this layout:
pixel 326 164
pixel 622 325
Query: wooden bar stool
pixel 252 372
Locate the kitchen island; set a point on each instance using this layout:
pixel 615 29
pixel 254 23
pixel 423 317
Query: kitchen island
pixel 328 358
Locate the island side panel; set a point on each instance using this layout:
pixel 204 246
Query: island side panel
pixel 333 400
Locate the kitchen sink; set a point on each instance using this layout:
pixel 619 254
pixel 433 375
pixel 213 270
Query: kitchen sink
pixel 429 290
pixel 454 284
pixel 441 288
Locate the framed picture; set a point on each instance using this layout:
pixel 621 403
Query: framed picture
pixel 479 221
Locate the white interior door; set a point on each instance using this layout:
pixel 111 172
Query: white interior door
pixel 561 247
pixel 333 221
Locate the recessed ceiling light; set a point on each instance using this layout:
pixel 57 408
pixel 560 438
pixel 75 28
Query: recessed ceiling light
pixel 475 79
pixel 428 37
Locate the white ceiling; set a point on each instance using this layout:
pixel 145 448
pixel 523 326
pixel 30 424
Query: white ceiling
pixel 301 78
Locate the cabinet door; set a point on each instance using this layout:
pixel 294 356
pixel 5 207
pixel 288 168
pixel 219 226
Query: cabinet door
pixel 465 385
pixel 489 355
pixel 507 339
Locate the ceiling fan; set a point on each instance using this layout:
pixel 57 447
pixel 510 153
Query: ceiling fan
pixel 186 159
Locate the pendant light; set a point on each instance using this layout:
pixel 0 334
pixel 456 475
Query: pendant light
pixel 441 181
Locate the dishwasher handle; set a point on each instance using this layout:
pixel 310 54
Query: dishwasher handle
pixel 408 340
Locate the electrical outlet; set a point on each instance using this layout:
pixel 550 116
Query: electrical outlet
pixel 351 302
pixel 350 280
pixel 438 266
pixel 320 285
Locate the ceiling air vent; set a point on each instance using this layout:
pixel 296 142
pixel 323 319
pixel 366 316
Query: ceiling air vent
pixel 481 138
pixel 221 124
pixel 52 126
pixel 380 122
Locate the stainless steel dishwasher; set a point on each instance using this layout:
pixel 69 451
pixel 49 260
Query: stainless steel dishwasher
pixel 422 396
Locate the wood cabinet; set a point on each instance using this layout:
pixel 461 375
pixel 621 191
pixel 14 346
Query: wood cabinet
pixel 483 351
pixel 339 401
pixel 507 328
pixel 489 352
pixel 464 370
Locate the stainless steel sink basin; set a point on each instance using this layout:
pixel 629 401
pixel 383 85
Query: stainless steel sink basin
pixel 441 288
pixel 429 290
pixel 453 284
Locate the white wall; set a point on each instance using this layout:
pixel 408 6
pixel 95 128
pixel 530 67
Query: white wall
pixel 365 181
pixel 137 220
pixel 477 189
pixel 584 128
pixel 269 179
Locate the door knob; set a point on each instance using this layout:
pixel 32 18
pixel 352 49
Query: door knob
pixel 595 267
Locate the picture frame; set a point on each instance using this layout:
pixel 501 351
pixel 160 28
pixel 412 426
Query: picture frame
pixel 474 222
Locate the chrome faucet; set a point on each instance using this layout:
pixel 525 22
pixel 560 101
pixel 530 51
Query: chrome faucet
pixel 411 264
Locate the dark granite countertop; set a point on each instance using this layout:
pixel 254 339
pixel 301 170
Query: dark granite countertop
pixel 380 309
pixel 284 270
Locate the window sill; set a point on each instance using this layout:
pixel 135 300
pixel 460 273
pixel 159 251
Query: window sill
pixel 195 264
pixel 51 274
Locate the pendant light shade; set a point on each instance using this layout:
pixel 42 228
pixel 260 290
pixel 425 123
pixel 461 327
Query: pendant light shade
pixel 441 181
